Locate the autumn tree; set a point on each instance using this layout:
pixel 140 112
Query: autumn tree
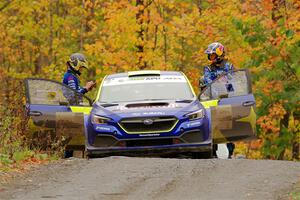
pixel 37 36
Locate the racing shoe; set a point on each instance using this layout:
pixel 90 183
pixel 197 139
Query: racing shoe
pixel 214 154
pixel 68 153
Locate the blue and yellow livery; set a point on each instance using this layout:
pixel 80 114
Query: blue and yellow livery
pixel 146 112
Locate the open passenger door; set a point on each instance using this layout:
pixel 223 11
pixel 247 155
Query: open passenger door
pixel 232 108
pixel 55 106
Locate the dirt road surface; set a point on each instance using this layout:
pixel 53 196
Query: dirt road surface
pixel 157 178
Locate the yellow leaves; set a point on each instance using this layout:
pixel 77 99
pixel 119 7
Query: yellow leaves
pixel 157 20
pixel 293 124
pixel 255 70
pixel 277 111
pixel 88 4
pixel 98 71
pixel 108 30
pixel 250 149
pixel 258 102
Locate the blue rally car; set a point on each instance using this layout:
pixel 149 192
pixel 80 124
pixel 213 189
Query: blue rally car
pixel 145 112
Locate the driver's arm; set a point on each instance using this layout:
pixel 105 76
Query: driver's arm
pixel 207 76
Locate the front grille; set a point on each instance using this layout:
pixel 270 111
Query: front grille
pixel 148 125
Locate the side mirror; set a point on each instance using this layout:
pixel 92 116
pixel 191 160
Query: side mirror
pixel 63 103
pixel 223 96
pixel 205 95
pixel 204 98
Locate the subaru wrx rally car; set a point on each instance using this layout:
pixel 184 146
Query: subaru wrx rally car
pixel 146 112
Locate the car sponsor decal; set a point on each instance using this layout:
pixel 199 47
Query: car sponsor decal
pixel 149 135
pixel 102 128
pixel 124 107
pixel 148 113
pixel 81 109
pixel 136 80
pixel 193 124
pixel 251 118
pixel 210 103
pixel 228 123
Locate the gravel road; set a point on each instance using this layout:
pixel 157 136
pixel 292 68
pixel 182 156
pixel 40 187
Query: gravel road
pixel 157 178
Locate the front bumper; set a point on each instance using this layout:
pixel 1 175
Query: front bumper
pixel 182 127
pixel 151 150
pixel 186 136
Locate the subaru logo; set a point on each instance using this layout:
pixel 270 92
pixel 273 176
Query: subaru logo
pixel 148 121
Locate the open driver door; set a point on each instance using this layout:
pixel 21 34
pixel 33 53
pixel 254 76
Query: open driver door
pixel 58 109
pixel 231 105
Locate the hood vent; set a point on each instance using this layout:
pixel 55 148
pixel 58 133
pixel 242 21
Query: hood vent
pixel 147 105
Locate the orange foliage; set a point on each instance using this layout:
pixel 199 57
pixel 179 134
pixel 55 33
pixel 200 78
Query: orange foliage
pixel 272 87
pixel 271 123
pixel 37 37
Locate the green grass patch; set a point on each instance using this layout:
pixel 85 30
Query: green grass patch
pixel 295 194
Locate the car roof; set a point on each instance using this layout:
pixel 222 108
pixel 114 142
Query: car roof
pixel 161 73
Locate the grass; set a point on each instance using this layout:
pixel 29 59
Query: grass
pixel 295 194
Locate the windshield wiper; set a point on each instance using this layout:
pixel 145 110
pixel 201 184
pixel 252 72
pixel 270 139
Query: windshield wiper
pixel 183 100
pixel 152 100
pixel 109 104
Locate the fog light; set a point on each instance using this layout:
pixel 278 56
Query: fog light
pixel 176 141
pixel 122 144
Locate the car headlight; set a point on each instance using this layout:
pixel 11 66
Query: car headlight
pixel 196 115
pixel 99 119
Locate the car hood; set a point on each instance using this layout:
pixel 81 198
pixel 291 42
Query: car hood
pixel 118 111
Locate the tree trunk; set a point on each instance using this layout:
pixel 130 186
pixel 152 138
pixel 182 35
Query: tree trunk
pixel 182 54
pixel 37 65
pixel 165 45
pixel 51 33
pixel 277 9
pixel 81 29
pixel 296 150
pixel 155 38
pixel 198 3
pixel 141 33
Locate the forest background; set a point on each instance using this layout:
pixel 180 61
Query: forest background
pixel 37 36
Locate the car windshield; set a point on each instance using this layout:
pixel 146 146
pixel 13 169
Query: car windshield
pixel 143 90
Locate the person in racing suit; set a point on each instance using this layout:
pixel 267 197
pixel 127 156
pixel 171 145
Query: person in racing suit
pixel 219 65
pixel 76 63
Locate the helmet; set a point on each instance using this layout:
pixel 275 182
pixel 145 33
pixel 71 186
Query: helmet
pixel 217 49
pixel 76 61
